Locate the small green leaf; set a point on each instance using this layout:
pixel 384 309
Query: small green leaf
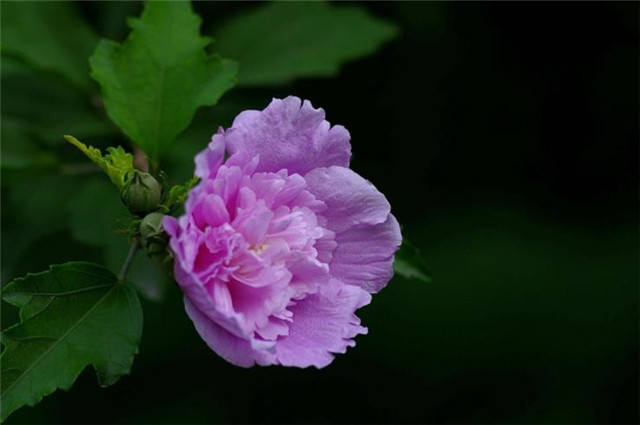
pixel 49 35
pixel 117 163
pixel 153 83
pixel 72 315
pixel 178 194
pixel 282 41
pixel 410 264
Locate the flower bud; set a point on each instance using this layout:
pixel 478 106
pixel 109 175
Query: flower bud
pixel 141 193
pixel 151 226
pixel 154 240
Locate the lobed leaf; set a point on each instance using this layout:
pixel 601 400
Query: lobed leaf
pixel 72 315
pixel 283 41
pixel 153 83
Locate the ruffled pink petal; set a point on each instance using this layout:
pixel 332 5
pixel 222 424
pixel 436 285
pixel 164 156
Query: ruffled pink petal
pixel 210 211
pixel 291 135
pixel 214 311
pixel 322 324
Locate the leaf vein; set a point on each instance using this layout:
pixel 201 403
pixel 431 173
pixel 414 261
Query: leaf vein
pixel 54 345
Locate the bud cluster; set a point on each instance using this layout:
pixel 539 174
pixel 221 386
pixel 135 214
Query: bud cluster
pixel 144 196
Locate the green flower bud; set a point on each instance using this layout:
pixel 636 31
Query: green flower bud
pixel 155 240
pixel 141 193
pixel 151 226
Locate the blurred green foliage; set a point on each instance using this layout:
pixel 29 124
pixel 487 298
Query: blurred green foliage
pixel 49 36
pixel 508 153
pixel 310 40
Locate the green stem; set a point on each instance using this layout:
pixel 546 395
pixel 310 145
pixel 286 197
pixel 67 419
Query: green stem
pixel 129 261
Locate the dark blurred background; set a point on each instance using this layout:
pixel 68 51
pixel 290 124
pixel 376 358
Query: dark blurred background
pixel 505 136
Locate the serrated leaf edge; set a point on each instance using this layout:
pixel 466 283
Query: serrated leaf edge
pixel 116 286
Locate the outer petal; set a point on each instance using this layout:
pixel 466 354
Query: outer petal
pixel 210 159
pixel 364 255
pixel 228 346
pixel 289 134
pixel 323 323
pixel 367 235
pixel 350 199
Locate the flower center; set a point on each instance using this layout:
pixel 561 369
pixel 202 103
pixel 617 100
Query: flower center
pixel 259 249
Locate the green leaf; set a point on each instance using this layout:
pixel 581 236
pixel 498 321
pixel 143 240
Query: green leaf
pixel 153 83
pixel 282 41
pixel 410 264
pixel 49 35
pixel 116 163
pixel 72 315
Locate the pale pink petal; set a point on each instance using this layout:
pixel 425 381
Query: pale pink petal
pixel 323 324
pixel 364 254
pixel 291 135
pixel 350 200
